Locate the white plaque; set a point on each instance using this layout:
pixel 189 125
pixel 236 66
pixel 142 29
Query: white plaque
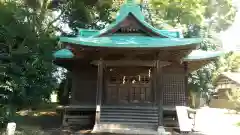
pixel 185 123
pixel 98 108
pixel 11 127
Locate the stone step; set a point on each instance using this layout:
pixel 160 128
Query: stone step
pixel 129 110
pixel 136 116
pixel 104 116
pixel 133 124
pixel 118 113
pixel 127 120
pixel 131 107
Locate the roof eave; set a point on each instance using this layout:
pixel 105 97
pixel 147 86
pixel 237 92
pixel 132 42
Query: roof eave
pixel 63 54
pixel 209 56
pixel 90 44
pixel 202 61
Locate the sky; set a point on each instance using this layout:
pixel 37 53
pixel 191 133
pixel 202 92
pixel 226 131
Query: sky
pixel 230 38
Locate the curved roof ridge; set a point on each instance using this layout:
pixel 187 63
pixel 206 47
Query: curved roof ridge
pixel 130 1
pixel 165 33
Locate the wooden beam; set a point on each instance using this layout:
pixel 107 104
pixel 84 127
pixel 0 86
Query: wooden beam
pixel 131 63
pixel 99 91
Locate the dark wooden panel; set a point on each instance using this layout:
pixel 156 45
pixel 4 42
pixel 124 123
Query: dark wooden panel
pixel 126 85
pixel 173 87
pixel 173 68
pixel 84 85
pixel 82 116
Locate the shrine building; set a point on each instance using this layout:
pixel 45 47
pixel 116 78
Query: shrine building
pixel 130 73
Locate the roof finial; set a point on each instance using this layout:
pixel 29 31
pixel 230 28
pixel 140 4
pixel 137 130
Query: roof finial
pixel 130 1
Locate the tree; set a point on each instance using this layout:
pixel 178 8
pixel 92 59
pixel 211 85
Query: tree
pixel 27 35
pixel 84 13
pixel 198 18
pixel 27 40
pixel 234 96
pixel 229 63
pixel 181 13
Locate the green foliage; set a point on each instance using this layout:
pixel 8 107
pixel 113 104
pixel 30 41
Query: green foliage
pixel 202 79
pixel 238 124
pixel 26 54
pixel 234 96
pixel 4 117
pixel 199 18
pixel 176 12
pixel 181 13
pixel 229 63
pixel 85 13
pixel 220 13
pixel 27 40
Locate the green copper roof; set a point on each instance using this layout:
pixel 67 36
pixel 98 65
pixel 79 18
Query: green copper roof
pixel 92 37
pixel 166 38
pixel 202 55
pixel 130 1
pixel 63 53
pixel 87 32
pixel 171 33
pixel 193 56
pixel 132 8
pixel 121 17
pixel 168 33
pixel 131 41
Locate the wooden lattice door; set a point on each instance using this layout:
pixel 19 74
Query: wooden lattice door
pixel 129 88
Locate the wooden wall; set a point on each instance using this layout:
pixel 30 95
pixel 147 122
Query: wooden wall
pixel 84 85
pixel 173 85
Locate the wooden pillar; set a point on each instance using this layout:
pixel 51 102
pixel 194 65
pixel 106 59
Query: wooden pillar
pixel 159 93
pixel 187 91
pixel 99 91
pixel 154 84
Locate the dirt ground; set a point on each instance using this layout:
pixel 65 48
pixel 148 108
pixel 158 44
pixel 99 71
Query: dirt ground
pixel 37 123
pixel 47 123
